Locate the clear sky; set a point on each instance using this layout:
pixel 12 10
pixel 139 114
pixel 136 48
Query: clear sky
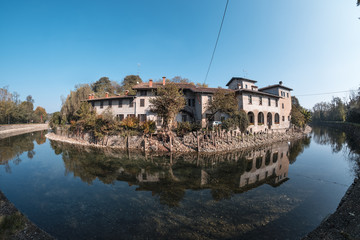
pixel 47 47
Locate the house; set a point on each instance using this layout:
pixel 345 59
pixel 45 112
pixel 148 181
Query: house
pixel 267 108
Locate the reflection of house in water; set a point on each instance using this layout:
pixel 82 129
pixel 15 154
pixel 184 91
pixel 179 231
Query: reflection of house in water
pixel 267 164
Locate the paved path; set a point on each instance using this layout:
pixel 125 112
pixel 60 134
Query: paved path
pixel 16 129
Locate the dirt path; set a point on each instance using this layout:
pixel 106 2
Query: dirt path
pixel 16 129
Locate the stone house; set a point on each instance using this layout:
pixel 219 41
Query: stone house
pixel 267 108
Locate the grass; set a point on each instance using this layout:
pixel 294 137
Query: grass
pixel 11 224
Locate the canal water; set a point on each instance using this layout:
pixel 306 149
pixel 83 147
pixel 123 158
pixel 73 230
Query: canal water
pixel 281 191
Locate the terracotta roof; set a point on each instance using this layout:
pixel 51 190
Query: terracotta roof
pixel 275 86
pixel 157 85
pixel 258 92
pixel 112 97
pixel 240 78
pixel 188 86
pixel 210 90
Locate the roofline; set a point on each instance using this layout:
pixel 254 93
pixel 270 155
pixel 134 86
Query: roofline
pixel 111 98
pixel 275 86
pixel 258 92
pixel 240 78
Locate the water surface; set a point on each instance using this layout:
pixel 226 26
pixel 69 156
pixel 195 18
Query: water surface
pixel 281 191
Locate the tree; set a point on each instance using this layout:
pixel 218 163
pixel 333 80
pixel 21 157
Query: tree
pixel 73 101
pixel 204 85
pixel 237 120
pixel 130 81
pixel 168 103
pixel 40 114
pixel 179 79
pixel 223 101
pixel 102 85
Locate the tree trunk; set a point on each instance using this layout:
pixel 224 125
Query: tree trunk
pixel 198 141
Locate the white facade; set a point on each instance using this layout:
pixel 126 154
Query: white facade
pixel 268 108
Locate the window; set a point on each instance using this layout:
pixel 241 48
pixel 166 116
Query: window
pixel 277 118
pixel 142 102
pixel 101 104
pixel 288 118
pixel 142 117
pixel 110 103
pixel 158 121
pixel 287 94
pixel 245 85
pixel 209 99
pixel 131 115
pixel 260 100
pixel 275 157
pixel 260 118
pixel 276 103
pixel 251 117
pixel 120 103
pixel 250 99
pixel 193 102
pixel 283 118
pixel 143 93
pixel 131 103
pixel 184 117
pixel 120 117
pixel 282 105
pixel 269 101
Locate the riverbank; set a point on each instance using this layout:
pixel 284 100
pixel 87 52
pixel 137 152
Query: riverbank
pixel 344 223
pixel 204 143
pixel 16 129
pixel 14 225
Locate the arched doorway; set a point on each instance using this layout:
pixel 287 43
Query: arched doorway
pixel 269 120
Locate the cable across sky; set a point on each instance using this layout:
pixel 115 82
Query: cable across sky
pixel 217 40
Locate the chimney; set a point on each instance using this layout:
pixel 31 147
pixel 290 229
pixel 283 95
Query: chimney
pixel 150 83
pixel 280 82
pixel 89 96
pixel 164 80
pixel 106 94
pixel 126 92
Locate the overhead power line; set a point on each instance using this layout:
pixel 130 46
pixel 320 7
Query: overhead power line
pixel 212 57
pixel 313 94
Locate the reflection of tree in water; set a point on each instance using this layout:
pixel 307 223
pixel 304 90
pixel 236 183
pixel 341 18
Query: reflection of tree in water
pixel 166 177
pixel 297 147
pixel 339 140
pixel 327 136
pixel 12 147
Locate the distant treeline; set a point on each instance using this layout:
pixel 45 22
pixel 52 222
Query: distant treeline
pixel 338 110
pixel 13 110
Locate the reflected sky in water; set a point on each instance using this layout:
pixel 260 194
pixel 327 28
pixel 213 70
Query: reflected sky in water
pixel 279 191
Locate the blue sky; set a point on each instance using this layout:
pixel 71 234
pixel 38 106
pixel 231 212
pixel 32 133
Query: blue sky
pixel 47 47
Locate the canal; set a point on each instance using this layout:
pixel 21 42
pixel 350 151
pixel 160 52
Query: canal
pixel 280 191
